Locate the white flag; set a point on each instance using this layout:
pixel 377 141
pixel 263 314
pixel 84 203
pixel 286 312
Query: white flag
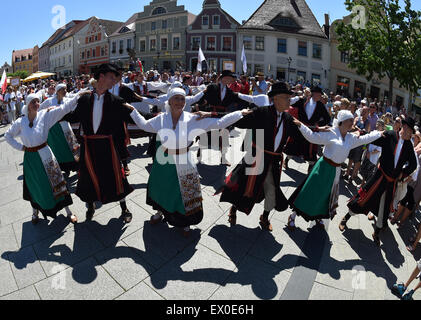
pixel 244 60
pixel 200 59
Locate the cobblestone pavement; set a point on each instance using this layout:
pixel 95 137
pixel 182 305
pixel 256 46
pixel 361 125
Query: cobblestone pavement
pixel 104 259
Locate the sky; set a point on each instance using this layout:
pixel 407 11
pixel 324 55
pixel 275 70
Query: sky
pixel 30 23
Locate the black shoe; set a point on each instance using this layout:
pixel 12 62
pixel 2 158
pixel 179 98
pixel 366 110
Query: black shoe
pixel 90 215
pixel 127 216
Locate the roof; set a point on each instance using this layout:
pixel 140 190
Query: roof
pixel 291 16
pixel 128 26
pixel 110 25
pixel 61 32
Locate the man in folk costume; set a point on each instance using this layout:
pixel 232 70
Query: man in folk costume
pixel 61 138
pixel 101 176
pixel 139 86
pixel 252 183
pixel 313 114
pixel 397 162
pixel 219 98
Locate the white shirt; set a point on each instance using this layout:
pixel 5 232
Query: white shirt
pixel 187 129
pixel 398 150
pixel 97 112
pixel 261 100
pixel 280 133
pixel 8 97
pixel 223 91
pixel 374 157
pixel 38 134
pixel 310 107
pixel 336 148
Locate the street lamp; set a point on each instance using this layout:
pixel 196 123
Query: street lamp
pixel 289 64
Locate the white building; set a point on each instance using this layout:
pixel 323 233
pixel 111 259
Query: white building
pixel 284 40
pixel 64 51
pixel 121 41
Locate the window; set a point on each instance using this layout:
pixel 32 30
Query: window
pixel 317 51
pixel 205 20
pixel 102 52
pixel 96 38
pixel 216 20
pixel 153 44
pixel 121 45
pixel 248 43
pixel 142 45
pixel 164 24
pixel 282 45
pixel 260 43
pixel 59 47
pixel 280 74
pixel 129 43
pixel 227 43
pixel 70 43
pixel 212 64
pixel 302 48
pixel 153 25
pixel 259 68
pixel 301 76
pixel 93 53
pixel 176 43
pixel 64 46
pixel 345 57
pixel 83 55
pixel 196 43
pixel 114 47
pixel 342 86
pixel 164 44
pixel 211 44
pixel 159 10
pixel 88 54
pixel 315 79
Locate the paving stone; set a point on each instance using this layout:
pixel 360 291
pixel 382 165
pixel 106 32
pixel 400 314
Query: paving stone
pixel 67 249
pixel 7 280
pixel 140 292
pixel 7 239
pixel 322 292
pixel 26 267
pixel 253 279
pixel 15 211
pixel 85 281
pixel 125 265
pixel 194 274
pixel 28 293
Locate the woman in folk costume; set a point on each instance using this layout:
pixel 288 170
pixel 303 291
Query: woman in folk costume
pixel 61 138
pixel 397 162
pixel 257 178
pixel 43 183
pixel 174 184
pixel 312 113
pixel 317 197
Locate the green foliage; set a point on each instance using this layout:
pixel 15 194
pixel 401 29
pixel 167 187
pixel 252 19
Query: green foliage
pixel 388 46
pixel 20 74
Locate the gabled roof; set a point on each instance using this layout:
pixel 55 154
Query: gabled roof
pixel 20 53
pixel 128 26
pixel 291 16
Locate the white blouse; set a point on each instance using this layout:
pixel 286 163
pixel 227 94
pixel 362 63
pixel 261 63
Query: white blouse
pixel 187 129
pixel 43 122
pixel 336 148
pixel 160 101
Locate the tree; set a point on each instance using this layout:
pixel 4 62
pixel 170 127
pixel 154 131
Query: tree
pixel 20 74
pixel 383 40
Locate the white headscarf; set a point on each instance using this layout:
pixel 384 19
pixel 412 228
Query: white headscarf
pixel 172 93
pixel 60 86
pixel 343 115
pixel 29 99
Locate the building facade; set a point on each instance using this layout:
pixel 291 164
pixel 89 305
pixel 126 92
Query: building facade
pixel 6 67
pixel 35 59
pixel 284 40
pixel 161 35
pixel 122 44
pixel 94 44
pixel 22 60
pixel 215 31
pixel 347 82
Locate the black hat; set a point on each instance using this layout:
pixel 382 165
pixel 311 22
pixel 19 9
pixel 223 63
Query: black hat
pixel 410 123
pixel 228 73
pixel 316 89
pixel 280 88
pixel 104 69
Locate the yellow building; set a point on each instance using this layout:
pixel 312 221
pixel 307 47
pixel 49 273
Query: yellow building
pixel 22 60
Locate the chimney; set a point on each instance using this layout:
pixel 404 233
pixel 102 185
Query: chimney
pixel 326 26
